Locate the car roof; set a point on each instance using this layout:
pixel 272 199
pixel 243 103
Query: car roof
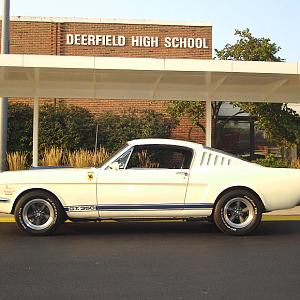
pixel 157 141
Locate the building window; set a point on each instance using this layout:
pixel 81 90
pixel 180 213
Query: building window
pixel 240 136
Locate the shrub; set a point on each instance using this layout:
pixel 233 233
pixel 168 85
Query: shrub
pixel 68 128
pixel 271 161
pixel 20 126
pixel 73 128
pixel 115 130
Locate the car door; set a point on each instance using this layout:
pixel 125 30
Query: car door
pixel 151 182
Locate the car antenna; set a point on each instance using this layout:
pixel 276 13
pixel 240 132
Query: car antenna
pixel 96 143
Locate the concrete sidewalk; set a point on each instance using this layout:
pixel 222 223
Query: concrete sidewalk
pixel 285 212
pixel 6 216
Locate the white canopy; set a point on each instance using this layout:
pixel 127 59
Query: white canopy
pixel 40 76
pixel 145 78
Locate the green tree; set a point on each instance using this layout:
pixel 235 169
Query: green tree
pixel 276 119
pixel 194 109
pixel 249 48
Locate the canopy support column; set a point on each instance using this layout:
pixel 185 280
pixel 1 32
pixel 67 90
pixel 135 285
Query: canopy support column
pixel 208 123
pixel 35 147
pixel 3 132
pixel 4 101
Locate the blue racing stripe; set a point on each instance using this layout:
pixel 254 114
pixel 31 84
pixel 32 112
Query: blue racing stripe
pixel 155 206
pixel 140 207
pixel 132 207
pixel 199 206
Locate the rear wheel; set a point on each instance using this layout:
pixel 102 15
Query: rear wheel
pixel 238 212
pixel 38 213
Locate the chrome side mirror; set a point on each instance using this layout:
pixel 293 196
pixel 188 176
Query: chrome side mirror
pixel 114 166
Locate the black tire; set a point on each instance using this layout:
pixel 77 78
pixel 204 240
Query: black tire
pixel 238 212
pixel 39 213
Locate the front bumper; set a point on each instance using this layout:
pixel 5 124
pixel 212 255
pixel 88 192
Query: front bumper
pixel 5 205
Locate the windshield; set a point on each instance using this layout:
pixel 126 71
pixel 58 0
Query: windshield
pixel 111 156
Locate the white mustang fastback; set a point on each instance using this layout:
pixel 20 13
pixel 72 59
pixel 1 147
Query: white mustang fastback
pixel 151 179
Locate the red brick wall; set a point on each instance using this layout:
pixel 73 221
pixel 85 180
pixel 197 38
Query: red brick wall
pixel 50 38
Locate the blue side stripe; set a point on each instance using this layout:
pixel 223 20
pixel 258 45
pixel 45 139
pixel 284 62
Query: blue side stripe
pixel 132 207
pixel 198 206
pixel 140 207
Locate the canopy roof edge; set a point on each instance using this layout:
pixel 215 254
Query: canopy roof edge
pixel 148 78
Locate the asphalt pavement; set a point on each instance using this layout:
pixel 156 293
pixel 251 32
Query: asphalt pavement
pixel 150 261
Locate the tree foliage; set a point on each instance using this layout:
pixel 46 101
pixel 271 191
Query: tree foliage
pixel 277 119
pixel 194 109
pixel 249 48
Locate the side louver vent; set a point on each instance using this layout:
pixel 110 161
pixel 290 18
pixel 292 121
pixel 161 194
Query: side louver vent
pixel 211 159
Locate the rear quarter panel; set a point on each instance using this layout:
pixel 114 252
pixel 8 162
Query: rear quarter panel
pixel 277 188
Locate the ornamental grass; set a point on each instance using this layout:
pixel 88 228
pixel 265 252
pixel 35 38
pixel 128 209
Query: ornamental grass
pixel 52 157
pixel 16 161
pixel 86 158
pixel 56 157
pixel 295 163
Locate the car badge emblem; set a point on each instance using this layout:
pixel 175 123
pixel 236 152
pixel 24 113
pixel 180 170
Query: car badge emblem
pixel 90 176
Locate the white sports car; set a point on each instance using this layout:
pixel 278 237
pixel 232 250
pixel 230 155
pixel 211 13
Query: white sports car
pixel 151 179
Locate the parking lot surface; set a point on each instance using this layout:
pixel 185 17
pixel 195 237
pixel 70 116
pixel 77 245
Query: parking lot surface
pixel 151 260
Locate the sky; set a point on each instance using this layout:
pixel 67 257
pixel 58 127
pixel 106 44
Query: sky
pixel 277 20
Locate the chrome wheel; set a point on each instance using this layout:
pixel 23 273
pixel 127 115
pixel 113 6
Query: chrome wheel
pixel 238 212
pixel 38 214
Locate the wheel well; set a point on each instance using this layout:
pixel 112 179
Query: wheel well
pixel 32 190
pixel 239 188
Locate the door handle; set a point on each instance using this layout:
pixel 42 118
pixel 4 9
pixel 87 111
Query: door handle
pixel 182 173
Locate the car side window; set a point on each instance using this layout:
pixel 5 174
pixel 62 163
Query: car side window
pixel 123 159
pixel 160 156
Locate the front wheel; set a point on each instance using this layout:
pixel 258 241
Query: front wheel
pixel 38 213
pixel 238 212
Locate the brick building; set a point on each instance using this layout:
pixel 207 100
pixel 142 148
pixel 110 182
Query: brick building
pixel 113 38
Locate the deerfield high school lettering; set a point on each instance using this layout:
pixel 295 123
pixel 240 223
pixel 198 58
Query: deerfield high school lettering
pixel 135 41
